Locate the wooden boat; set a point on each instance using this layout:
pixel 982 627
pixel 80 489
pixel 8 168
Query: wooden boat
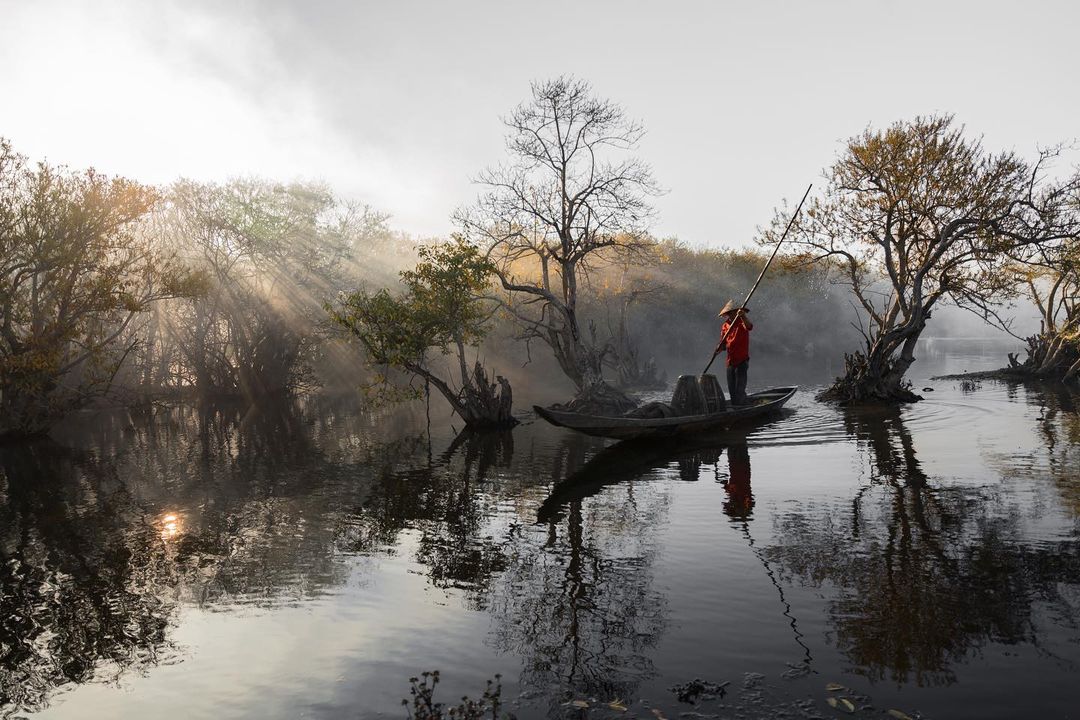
pixel 624 428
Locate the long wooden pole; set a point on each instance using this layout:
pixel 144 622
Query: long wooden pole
pixel 750 294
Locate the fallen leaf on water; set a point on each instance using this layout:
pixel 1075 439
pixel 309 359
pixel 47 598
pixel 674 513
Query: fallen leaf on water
pixel 659 715
pixel 832 702
pixel 580 703
pixel 617 704
pixel 899 715
pixel 833 687
pixel 847 704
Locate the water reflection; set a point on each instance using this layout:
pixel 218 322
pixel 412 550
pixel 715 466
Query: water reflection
pixel 448 501
pixel 556 539
pixel 881 430
pixel 80 601
pixel 740 498
pixel 99 546
pixel 925 573
pixel 1059 427
pixel 626 462
pixel 578 602
pixel 620 481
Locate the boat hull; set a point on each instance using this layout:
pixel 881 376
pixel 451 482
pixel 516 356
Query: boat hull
pixel 624 428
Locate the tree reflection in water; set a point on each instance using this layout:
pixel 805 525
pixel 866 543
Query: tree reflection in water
pixel 223 507
pixel 577 601
pixel 585 613
pixel 925 575
pixel 80 601
pixel 233 509
pixel 1059 427
pixel 229 508
pixel 448 501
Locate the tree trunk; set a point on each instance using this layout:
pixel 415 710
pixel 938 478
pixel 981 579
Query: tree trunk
pixel 481 404
pixel 1072 371
pixel 877 377
pixel 1051 355
pixel 583 364
pixel 489 403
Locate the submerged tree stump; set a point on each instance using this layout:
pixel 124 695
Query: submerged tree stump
pixel 861 383
pixel 486 404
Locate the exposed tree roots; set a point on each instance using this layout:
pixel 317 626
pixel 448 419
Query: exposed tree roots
pixel 861 384
pixel 1053 357
pixel 486 404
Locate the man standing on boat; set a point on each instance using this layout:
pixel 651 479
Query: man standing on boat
pixel 735 338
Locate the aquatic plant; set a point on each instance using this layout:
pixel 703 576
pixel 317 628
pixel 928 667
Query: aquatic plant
pixel 422 705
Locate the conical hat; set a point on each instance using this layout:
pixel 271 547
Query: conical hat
pixel 729 306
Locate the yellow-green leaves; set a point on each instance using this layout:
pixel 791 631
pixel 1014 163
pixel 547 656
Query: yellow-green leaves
pixel 442 305
pixel 73 271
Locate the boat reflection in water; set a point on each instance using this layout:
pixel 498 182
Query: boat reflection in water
pixel 627 461
pixel 931 546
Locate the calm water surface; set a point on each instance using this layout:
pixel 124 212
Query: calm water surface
pixel 305 561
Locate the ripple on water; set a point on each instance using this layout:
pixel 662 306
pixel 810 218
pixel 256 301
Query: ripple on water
pixel 804 421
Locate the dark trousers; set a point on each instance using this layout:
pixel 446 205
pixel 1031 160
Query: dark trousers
pixel 736 382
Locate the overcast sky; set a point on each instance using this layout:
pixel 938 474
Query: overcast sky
pixel 397 103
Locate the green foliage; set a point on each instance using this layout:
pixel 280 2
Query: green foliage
pixel 392 329
pixel 272 254
pixel 446 288
pixel 442 306
pixel 74 271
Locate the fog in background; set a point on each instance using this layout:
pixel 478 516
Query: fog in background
pixel 398 104
pixel 326 109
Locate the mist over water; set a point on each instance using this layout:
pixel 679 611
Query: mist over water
pixel 306 559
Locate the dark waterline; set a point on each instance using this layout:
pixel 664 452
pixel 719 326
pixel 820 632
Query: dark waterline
pixel 306 560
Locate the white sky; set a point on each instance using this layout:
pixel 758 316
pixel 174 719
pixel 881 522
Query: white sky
pixel 397 103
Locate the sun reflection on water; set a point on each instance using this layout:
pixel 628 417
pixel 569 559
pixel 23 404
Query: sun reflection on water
pixel 171 525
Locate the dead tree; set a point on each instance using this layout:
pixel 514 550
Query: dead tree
pixel 569 198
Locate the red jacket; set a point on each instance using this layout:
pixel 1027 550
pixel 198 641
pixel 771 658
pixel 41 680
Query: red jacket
pixel 738 342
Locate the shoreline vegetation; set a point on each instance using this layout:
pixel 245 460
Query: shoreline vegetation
pixel 255 288
pixel 1051 358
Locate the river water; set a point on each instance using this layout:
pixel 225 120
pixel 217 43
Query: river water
pixel 305 561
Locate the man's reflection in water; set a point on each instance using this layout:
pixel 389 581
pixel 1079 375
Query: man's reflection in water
pixel 740 499
pixel 740 506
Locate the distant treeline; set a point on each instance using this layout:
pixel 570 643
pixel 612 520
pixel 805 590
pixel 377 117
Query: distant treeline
pixel 659 320
pixel 113 289
pixel 673 318
pixel 252 288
